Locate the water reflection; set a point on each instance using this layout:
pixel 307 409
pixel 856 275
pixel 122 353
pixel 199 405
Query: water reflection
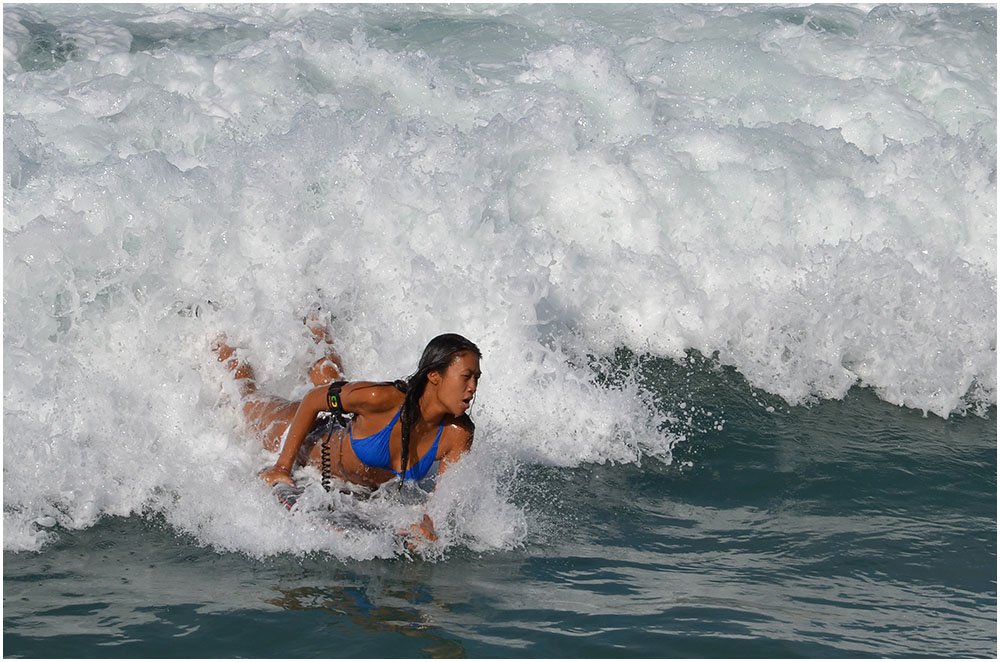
pixel 370 604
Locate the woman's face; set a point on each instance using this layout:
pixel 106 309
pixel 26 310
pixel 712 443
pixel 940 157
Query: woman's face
pixel 457 385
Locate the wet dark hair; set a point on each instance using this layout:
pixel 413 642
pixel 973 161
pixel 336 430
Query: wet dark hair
pixel 438 355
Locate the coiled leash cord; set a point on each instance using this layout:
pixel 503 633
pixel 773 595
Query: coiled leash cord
pixel 341 418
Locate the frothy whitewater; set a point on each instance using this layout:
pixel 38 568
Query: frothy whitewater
pixel 806 195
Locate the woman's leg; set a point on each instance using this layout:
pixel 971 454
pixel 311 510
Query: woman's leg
pixel 326 369
pixel 268 416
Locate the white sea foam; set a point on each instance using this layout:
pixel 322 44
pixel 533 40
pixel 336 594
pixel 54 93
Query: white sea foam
pixel 807 193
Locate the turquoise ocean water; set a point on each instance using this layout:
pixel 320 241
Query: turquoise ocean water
pixel 732 268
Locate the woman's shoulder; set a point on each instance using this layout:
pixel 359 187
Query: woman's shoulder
pixel 460 430
pixel 371 397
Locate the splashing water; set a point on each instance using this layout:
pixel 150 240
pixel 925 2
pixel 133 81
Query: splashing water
pixel 806 195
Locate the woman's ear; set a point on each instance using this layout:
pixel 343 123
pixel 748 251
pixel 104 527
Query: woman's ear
pixel 434 377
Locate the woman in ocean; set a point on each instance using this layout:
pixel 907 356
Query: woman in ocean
pixel 396 429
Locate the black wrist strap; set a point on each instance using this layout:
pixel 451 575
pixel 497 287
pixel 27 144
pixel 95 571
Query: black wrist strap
pixel 340 416
pixel 335 404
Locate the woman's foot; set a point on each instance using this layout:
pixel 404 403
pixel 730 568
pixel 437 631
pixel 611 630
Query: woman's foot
pixel 326 369
pixel 241 371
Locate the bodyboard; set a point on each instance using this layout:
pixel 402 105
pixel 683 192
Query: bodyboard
pixel 326 515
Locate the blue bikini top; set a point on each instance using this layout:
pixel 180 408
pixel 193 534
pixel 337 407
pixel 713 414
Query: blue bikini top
pixel 374 450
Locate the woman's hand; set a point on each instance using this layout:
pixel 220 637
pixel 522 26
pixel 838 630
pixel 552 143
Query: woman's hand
pixel 276 474
pixel 418 533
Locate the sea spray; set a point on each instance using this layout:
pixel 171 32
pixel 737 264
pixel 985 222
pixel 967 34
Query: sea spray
pixel 806 195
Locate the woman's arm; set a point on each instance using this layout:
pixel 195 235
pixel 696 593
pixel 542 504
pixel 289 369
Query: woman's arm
pixel 463 442
pixel 360 398
pixel 298 429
